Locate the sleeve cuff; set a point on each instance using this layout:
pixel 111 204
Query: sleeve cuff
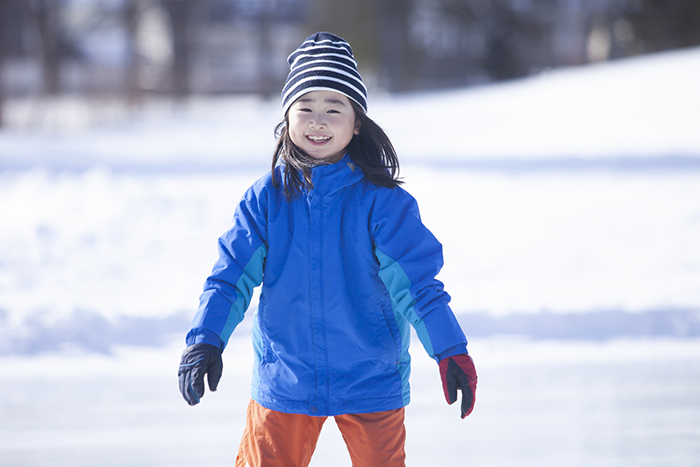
pixel 456 350
pixel 204 336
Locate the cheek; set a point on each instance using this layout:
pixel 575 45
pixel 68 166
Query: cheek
pixel 296 137
pixel 295 131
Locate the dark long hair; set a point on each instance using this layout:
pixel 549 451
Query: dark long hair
pixel 371 150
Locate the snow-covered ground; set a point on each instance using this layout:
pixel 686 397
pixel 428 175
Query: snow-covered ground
pixel 573 193
pixel 539 404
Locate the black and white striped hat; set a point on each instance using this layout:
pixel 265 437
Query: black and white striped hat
pixel 323 62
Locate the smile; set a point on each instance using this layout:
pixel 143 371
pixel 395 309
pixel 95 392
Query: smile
pixel 319 139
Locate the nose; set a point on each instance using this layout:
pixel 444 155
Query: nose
pixel 317 121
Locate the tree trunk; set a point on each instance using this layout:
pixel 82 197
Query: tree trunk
pixel 129 17
pixel 180 14
pixel 3 47
pixel 46 14
pixel 266 80
pixel 398 61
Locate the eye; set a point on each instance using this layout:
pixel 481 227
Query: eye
pixel 333 111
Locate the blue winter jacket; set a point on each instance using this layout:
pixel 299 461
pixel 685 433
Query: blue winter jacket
pixel 345 268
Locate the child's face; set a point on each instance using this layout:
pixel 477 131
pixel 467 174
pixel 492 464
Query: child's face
pixel 322 124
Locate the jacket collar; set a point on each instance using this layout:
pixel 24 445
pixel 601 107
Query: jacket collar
pixel 328 179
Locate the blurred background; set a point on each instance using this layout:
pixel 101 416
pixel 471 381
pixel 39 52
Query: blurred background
pixel 132 49
pixel 553 147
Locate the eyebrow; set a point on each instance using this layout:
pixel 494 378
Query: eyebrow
pixel 330 100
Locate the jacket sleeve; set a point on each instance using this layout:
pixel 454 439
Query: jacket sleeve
pixel 238 270
pixel 410 258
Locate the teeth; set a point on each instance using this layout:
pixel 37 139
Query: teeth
pixel 319 139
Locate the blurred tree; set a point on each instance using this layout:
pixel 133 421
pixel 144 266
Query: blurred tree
pixel 357 22
pixel 185 46
pixel 379 32
pixel 4 18
pixel 658 25
pixel 181 15
pixel 397 53
pixel 130 19
pixel 266 82
pixel 46 16
pixel 504 58
pixel 466 42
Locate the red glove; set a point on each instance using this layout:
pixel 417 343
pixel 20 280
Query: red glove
pixel 458 372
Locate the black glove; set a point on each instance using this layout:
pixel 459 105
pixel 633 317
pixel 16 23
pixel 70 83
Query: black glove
pixel 197 360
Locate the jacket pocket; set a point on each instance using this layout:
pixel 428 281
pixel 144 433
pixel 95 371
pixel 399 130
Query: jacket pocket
pixel 265 348
pixel 388 323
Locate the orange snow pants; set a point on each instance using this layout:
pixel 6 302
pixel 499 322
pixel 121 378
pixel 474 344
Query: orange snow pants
pixel 276 439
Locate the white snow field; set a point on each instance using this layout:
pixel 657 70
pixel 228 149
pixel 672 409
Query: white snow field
pixel 571 193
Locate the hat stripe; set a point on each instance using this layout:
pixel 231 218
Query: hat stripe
pixel 333 57
pixel 323 62
pixel 321 86
pixel 317 72
pixel 345 68
pixel 339 51
pixel 318 44
pixel 358 95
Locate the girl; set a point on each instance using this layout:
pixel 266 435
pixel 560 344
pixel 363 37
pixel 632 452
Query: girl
pixel 345 266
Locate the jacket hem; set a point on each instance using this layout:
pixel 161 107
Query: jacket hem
pixel 323 409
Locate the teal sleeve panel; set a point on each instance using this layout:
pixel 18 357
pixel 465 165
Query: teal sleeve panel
pixel 398 284
pixel 223 304
pixel 410 258
pixel 252 277
pixel 239 269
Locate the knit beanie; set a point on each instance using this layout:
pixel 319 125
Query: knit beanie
pixel 323 62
